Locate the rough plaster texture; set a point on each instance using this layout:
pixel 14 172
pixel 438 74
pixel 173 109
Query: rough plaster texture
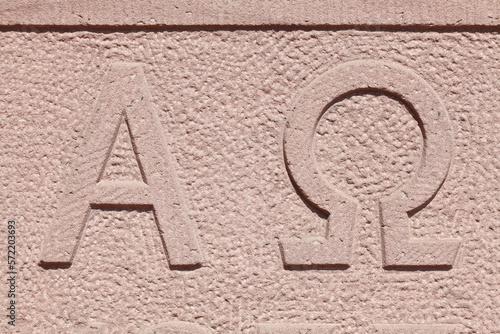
pixel 223 100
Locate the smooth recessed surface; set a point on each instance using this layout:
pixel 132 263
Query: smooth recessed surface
pixel 335 13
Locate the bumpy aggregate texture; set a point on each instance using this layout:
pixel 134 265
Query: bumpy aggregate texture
pixel 223 98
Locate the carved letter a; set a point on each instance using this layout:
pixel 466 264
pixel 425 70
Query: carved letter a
pixel 125 99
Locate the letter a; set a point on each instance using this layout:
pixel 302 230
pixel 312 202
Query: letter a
pixel 124 101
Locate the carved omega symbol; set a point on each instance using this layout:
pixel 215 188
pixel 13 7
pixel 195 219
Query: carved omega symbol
pixel 398 248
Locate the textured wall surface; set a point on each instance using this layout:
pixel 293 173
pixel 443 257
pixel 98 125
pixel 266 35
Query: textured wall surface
pixel 222 98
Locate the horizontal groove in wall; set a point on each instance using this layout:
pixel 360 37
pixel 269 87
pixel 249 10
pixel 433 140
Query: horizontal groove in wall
pixel 251 13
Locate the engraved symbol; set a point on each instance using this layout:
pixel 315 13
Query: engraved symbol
pixel 278 328
pixel 415 329
pixel 177 327
pixel 125 119
pixel 399 249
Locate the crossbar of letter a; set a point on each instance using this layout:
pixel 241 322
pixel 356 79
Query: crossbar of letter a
pixel 125 98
